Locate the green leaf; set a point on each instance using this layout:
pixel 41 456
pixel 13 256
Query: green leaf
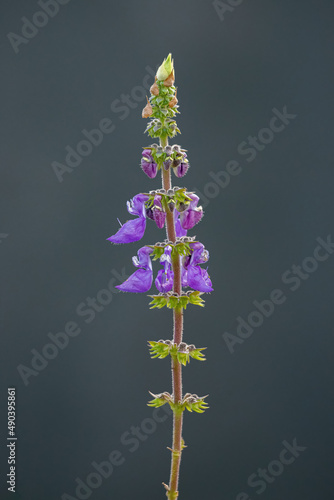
pixel 183 358
pixel 199 406
pixel 157 402
pixel 159 350
pixel 158 301
pixel 194 298
pixel 196 354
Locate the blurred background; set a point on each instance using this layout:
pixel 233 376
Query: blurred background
pixel 70 67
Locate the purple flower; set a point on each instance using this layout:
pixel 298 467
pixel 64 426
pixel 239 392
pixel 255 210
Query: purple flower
pixel 148 164
pixel 141 280
pixel 178 228
pixel 165 277
pixel 167 163
pixel 181 165
pixel 192 274
pixel 132 230
pixel 181 169
pixel 192 214
pixel 156 212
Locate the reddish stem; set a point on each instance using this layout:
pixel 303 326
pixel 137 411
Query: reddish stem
pixel 172 492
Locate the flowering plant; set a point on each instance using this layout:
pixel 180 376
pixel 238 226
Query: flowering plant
pixel 180 256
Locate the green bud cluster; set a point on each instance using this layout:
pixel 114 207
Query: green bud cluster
pixel 157 128
pixel 174 198
pixel 180 247
pixel 172 300
pixel 183 352
pixel 162 105
pixel 190 402
pixel 170 153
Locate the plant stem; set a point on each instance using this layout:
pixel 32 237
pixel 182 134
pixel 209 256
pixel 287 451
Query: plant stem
pixel 172 492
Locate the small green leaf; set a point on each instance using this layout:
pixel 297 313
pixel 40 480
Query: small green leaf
pixel 196 354
pixel 156 403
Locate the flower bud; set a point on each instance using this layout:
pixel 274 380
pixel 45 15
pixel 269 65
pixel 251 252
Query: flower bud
pixel 147 111
pixel 167 163
pixel 182 347
pixel 159 216
pixel 148 164
pixel 173 102
pixel 165 69
pixel 190 217
pixel 170 80
pixel 181 207
pixel 154 89
pixel 181 169
pixel 149 214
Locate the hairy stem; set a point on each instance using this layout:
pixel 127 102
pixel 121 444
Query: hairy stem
pixel 172 492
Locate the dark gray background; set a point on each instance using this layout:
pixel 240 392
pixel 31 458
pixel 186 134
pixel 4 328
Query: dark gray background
pixel 278 384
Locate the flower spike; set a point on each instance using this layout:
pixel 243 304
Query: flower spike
pixel 182 279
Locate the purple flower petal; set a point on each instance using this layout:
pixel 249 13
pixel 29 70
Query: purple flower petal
pixel 167 163
pixel 132 230
pixel 192 274
pixel 166 258
pixel 164 281
pixel 199 254
pixel 159 217
pixel 189 218
pixel 165 277
pixel 143 259
pixel 179 230
pixel 181 169
pixel 193 214
pixel 139 282
pixel 136 206
pixel 147 153
pixel 198 279
pixel 150 168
